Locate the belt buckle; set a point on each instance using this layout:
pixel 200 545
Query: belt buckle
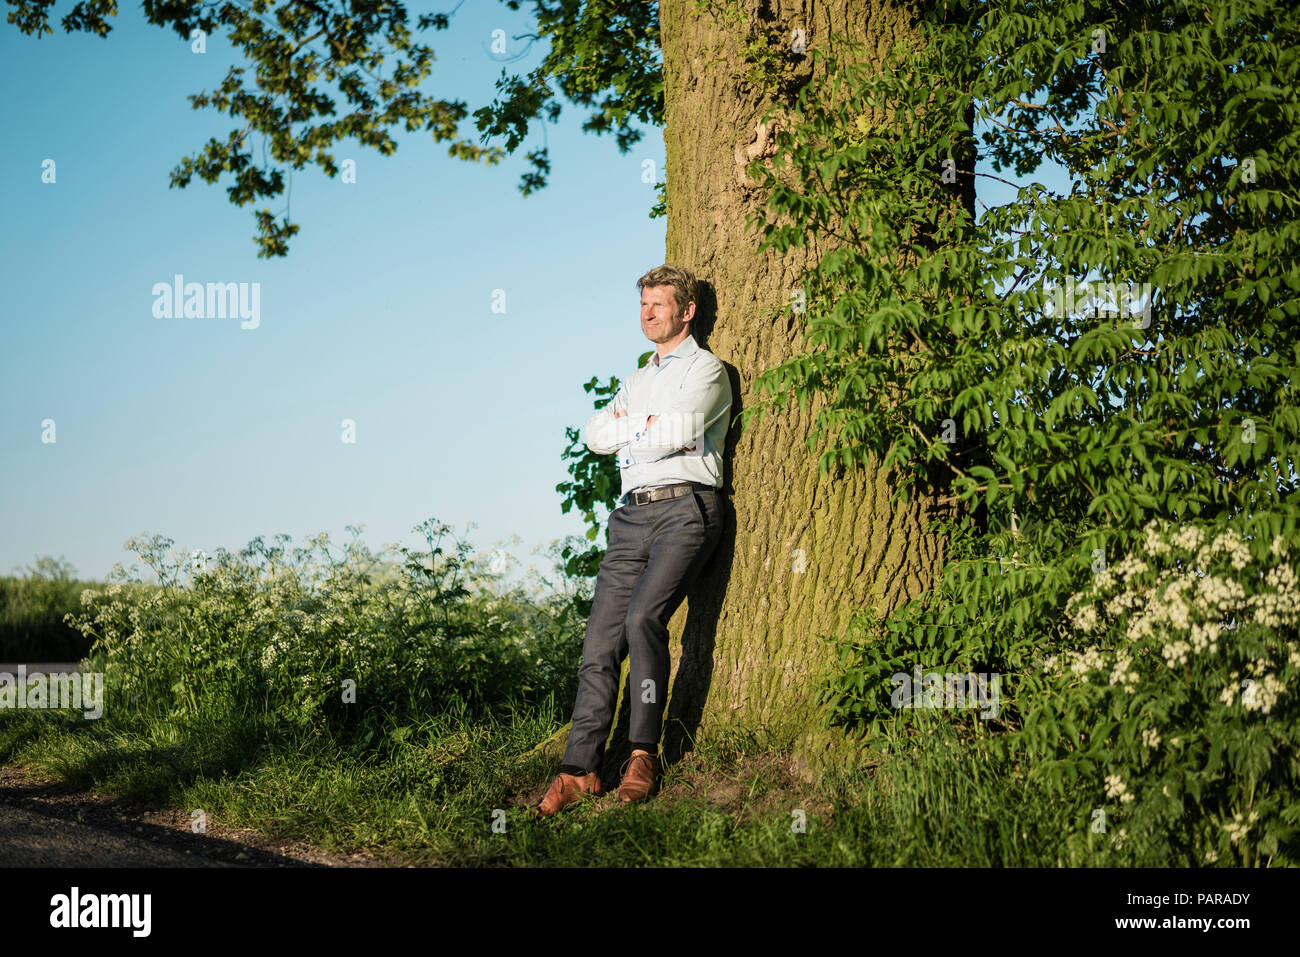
pixel 649 494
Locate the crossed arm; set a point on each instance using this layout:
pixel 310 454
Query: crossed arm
pixel 681 425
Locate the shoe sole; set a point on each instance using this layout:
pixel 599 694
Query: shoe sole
pixel 642 797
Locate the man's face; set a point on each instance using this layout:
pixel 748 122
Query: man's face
pixel 660 320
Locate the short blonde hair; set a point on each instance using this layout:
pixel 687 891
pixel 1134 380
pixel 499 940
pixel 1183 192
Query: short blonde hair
pixel 685 289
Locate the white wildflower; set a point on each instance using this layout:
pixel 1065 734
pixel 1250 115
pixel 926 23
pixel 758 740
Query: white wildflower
pixel 1139 628
pixel 1123 673
pixel 1086 662
pixel 1155 543
pixel 1239 826
pixel 1175 653
pixel 1130 567
pixel 1178 614
pixel 1204 635
pixel 1189 539
pixel 1262 695
pixel 1232 543
pixel 1221 593
pixel 1116 788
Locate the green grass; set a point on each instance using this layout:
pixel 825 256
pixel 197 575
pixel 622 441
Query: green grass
pixel 427 794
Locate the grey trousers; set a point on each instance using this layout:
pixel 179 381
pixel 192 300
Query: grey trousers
pixel 655 552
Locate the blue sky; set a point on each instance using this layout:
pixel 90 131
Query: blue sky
pixel 211 434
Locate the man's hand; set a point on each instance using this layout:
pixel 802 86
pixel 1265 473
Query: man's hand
pixel 686 448
pixel 648 422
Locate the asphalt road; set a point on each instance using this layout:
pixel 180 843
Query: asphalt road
pixel 28 839
pixel 44 823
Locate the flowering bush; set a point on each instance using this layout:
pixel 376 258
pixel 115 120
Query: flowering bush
pixel 306 636
pixel 1182 713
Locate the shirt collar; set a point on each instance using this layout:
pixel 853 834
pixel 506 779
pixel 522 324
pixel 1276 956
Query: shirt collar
pixel 686 347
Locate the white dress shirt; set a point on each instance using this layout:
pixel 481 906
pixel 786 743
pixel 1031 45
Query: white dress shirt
pixel 689 392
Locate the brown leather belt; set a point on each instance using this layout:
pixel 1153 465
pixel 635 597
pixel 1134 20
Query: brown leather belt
pixel 661 492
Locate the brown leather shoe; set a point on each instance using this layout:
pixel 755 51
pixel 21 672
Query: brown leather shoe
pixel 640 777
pixel 567 789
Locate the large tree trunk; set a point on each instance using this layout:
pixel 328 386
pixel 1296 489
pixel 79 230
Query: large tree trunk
pixel 751 629
pixel 747 644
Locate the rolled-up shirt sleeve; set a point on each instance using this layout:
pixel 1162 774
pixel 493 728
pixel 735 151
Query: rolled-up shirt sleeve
pixel 603 433
pixel 702 400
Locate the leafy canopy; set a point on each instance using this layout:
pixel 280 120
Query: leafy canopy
pixel 316 72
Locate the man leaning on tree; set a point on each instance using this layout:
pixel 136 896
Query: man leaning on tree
pixel 667 425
